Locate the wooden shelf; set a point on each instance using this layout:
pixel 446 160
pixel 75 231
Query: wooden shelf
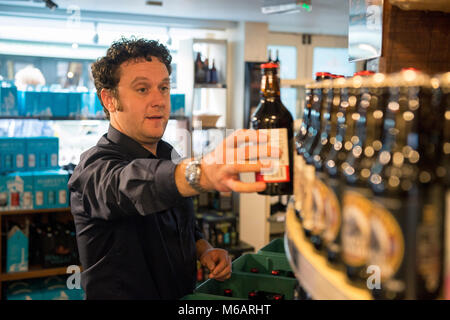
pixel 19 212
pixel 318 278
pixel 210 86
pixel 34 272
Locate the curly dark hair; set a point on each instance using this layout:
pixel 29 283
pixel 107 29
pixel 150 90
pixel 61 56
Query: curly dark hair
pixel 105 70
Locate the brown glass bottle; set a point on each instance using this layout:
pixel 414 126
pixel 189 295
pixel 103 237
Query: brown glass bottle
pixel 406 222
pixel 273 116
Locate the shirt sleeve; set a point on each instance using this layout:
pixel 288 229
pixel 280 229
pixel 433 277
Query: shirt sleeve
pixel 117 188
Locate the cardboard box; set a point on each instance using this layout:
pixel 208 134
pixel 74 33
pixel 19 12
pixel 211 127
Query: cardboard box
pixel 45 102
pixel 42 153
pixel 8 100
pixel 4 196
pixel 17 249
pixel 29 102
pixel 50 189
pixel 12 154
pixel 19 186
pixel 75 101
pixel 177 103
pixel 60 106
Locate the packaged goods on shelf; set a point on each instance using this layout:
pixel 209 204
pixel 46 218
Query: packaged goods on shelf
pixel 51 288
pixel 42 153
pixel 12 154
pixel 17 248
pixel 8 100
pixel 177 103
pixel 50 189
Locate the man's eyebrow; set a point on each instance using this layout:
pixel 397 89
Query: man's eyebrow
pixel 139 79
pixel 165 80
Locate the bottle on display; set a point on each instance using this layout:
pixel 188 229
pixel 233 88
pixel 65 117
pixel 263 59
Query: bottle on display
pixel 200 75
pixel 441 88
pixel 313 215
pixel 407 217
pixel 213 74
pixel 269 56
pixel 207 71
pixel 277 60
pixel 273 117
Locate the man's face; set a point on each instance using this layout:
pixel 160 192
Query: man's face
pixel 144 100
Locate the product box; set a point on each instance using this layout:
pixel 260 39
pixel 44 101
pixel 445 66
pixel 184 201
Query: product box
pixel 17 249
pixel 4 196
pixel 29 102
pixel 8 100
pixel 42 153
pixel 99 113
pixel 60 106
pixel 12 154
pixel 177 103
pixel 50 189
pixel 75 101
pixel 45 102
pixel 19 188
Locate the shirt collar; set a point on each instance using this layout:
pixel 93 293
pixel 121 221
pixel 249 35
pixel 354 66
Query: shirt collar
pixel 135 149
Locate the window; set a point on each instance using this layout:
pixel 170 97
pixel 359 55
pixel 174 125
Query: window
pixel 288 60
pixel 333 60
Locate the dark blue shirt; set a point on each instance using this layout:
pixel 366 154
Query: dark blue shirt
pixel 136 234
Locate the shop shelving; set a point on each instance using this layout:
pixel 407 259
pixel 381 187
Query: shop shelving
pixel 316 276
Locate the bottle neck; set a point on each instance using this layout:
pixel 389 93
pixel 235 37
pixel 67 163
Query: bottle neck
pixel 270 86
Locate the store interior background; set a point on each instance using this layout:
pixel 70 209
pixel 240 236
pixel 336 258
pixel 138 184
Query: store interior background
pixel 62 43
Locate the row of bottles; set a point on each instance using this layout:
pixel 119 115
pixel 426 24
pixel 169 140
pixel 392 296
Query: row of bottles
pixel 372 170
pixel 204 72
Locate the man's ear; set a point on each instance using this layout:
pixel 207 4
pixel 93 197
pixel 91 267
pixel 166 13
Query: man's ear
pixel 108 100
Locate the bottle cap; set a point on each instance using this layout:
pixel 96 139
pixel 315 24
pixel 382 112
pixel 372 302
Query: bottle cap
pixel 275 272
pixel 323 74
pixel 227 291
pixel 254 270
pixel 269 65
pixel 364 73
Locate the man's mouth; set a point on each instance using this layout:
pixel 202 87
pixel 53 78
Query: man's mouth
pixel 154 117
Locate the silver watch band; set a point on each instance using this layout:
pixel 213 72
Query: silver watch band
pixel 193 173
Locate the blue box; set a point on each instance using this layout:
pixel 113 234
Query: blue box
pixel 29 102
pixel 23 290
pixel 17 249
pixel 42 153
pixel 60 106
pixel 45 102
pixel 177 103
pixel 19 186
pixel 4 196
pixel 75 101
pixel 50 189
pixel 9 105
pixel 12 154
pixel 99 113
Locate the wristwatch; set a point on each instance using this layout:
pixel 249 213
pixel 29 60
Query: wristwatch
pixel 193 173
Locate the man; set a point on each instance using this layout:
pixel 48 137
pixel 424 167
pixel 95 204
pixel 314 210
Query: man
pixel 136 229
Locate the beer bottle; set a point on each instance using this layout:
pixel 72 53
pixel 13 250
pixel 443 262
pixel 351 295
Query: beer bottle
pixel 330 164
pixel 355 190
pixel 441 97
pixel 312 211
pixel 406 222
pixel 272 117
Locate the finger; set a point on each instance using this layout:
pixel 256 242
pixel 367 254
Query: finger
pixel 250 166
pixel 208 262
pixel 226 273
pixel 220 267
pixel 238 186
pixel 228 276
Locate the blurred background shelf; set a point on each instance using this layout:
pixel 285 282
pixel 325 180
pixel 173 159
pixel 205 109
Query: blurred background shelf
pixel 34 272
pixel 20 212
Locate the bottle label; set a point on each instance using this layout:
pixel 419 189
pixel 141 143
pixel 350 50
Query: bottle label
pixel 279 172
pixel 387 245
pixel 333 219
pixel 355 229
pixel 319 196
pixel 429 240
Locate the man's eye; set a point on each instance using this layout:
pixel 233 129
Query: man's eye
pixel 165 89
pixel 142 90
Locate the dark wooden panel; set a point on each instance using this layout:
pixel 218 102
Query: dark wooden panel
pixel 419 39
